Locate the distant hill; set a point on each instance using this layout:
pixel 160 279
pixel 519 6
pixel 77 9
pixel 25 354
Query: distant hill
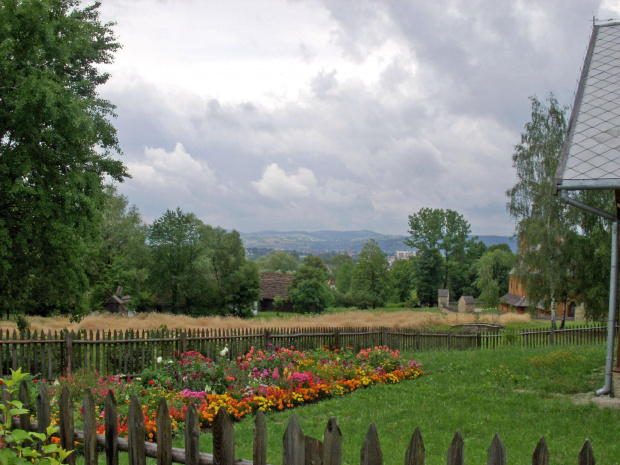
pixel 338 241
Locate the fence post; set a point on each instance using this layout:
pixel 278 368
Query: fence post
pixel 456 452
pixel 182 343
pixel 267 339
pixel 67 431
pixel 68 352
pixel 384 336
pixel 337 338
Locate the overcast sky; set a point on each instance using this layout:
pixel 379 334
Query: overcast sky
pixel 341 114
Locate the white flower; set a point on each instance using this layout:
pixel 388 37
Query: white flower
pixel 224 351
pixel 56 383
pixel 170 362
pixel 207 388
pixel 159 359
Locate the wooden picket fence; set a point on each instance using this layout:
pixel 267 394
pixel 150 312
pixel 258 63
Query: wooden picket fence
pixel 298 449
pixel 53 355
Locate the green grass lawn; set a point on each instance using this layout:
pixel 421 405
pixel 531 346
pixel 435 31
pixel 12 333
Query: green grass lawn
pixel 521 394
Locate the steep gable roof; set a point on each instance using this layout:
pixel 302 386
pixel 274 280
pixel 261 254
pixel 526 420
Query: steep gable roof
pixel 590 157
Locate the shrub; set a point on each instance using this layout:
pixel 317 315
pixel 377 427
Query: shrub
pixel 18 447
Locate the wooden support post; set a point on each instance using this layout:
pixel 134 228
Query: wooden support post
pixel 69 336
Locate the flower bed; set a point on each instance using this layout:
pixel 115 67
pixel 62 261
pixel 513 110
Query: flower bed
pixel 271 380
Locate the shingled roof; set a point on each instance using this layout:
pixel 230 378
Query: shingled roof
pixel 590 157
pixel 274 285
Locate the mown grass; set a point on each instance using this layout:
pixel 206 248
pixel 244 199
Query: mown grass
pixel 522 394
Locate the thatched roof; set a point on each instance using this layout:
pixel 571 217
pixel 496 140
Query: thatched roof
pixel 274 285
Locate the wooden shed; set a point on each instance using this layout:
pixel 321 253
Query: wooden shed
pixel 274 285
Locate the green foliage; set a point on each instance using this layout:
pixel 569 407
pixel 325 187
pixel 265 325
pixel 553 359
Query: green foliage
pixel 199 269
pixel 413 300
pixel 558 244
pixel 310 295
pixel 445 230
pixel 19 447
pixel 278 262
pixel 313 268
pixel 402 276
pixel 57 146
pixel 22 323
pixel 492 270
pixel 370 275
pixel 344 276
pixel 429 266
pixel 122 257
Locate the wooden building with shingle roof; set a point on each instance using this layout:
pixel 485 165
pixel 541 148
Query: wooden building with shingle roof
pixel 274 285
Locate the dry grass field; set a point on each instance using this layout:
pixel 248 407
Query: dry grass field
pixel 145 321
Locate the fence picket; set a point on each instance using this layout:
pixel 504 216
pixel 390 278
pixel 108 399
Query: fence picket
pixel 313 451
pixel 192 436
pixel 416 452
pixel 293 452
pixel 541 453
pixel 497 452
pixel 67 434
pixel 371 449
pixel 586 455
pixel 135 432
pixel 260 439
pixel 111 431
pixel 44 411
pixel 90 431
pixel 164 434
pixel 223 439
pixel 456 452
pixel 332 443
pixel 24 397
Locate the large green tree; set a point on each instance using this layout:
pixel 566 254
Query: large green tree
pixel 402 276
pixel 370 276
pixel 178 243
pixel 308 290
pixel 234 281
pixel 543 227
pixel 443 230
pixel 57 145
pixel 122 256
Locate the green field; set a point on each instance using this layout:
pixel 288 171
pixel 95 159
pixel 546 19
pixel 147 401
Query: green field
pixel 520 394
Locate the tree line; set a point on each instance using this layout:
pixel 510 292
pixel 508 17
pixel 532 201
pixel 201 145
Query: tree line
pixel 469 268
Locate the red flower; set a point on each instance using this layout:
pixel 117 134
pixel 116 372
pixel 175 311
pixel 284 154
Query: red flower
pixel 151 381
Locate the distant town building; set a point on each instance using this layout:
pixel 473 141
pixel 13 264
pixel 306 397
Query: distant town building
pixel 404 255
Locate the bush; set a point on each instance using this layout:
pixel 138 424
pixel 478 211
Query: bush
pixel 18 447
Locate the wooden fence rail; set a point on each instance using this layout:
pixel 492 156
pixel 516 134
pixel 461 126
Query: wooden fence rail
pixel 298 449
pixel 53 355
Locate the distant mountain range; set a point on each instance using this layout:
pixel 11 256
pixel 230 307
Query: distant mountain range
pixel 339 241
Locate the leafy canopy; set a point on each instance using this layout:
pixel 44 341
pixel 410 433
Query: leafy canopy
pixel 57 145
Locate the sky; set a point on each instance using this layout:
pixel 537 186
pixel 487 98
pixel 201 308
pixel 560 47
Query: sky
pixel 310 115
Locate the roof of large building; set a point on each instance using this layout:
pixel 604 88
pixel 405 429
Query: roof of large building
pixel 590 157
pixel 275 285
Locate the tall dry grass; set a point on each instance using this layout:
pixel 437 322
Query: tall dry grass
pixel 146 321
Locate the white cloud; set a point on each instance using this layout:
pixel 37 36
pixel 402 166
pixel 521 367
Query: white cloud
pixel 276 184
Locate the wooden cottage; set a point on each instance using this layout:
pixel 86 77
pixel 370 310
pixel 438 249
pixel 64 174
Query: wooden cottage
pixel 274 285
